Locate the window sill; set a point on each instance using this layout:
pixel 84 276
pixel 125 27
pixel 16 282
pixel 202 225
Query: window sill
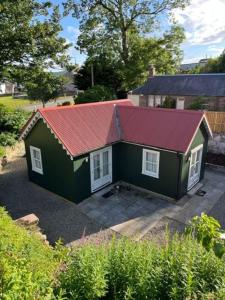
pixel 151 175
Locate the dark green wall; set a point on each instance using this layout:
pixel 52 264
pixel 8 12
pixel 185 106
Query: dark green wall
pixel 71 179
pixel 58 175
pixel 201 137
pixel 131 170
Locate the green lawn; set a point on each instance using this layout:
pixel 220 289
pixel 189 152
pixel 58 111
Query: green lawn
pixel 14 103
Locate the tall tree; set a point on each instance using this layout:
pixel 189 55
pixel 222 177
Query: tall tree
pixel 106 24
pixel 44 86
pixel 29 35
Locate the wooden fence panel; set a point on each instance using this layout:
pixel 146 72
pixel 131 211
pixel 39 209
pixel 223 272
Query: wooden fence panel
pixel 216 121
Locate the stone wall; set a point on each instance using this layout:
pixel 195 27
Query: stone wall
pixel 217 144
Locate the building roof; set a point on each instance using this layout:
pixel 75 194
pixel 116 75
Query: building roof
pixel 87 127
pixel 184 85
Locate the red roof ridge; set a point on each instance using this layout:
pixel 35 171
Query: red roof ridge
pixel 83 105
pixel 166 110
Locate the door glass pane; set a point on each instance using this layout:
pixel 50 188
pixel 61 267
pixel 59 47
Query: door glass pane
pixel 96 166
pixel 198 155
pixel 96 173
pixel 96 160
pixel 193 158
pixel 105 163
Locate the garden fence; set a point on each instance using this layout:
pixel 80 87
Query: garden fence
pixel 216 121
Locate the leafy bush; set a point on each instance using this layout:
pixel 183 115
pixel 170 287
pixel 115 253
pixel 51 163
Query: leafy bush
pixel 207 230
pixel 95 94
pixel 2 151
pixel 7 139
pixel 27 266
pixel 12 120
pixel 197 104
pixel 169 102
pixel 182 269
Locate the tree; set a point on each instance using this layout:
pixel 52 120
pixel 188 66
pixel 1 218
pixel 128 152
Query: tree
pixel 214 65
pixel 163 52
pixel 95 94
pixel 115 34
pixel 106 24
pixel 29 35
pixel 44 86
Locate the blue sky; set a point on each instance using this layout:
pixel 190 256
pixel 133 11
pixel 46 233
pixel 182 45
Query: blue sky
pixel 203 21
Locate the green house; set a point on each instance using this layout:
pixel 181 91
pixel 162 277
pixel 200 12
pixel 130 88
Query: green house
pixel 77 150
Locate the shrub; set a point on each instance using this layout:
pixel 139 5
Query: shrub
pixel 2 151
pixel 197 104
pixel 95 94
pixel 207 230
pixel 27 266
pixel 12 120
pixel 7 139
pixel 182 269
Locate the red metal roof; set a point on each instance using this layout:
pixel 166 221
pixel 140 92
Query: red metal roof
pixel 170 129
pixel 86 127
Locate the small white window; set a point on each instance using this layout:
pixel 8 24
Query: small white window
pixel 36 160
pixel 150 163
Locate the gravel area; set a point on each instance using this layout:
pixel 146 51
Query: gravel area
pixel 218 211
pixel 59 218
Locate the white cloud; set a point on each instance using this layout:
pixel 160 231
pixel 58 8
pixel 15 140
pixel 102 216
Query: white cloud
pixel 203 21
pixel 74 30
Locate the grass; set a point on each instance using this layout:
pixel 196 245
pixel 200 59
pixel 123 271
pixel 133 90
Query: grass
pixel 9 102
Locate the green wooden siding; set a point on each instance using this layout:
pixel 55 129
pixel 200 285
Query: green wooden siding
pixel 58 175
pixel 131 170
pixel 201 137
pixel 71 179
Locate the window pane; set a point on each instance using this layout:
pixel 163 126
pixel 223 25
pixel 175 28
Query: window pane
pixel 96 161
pixel 198 155
pixel 151 157
pixel 105 163
pixel 36 154
pixel 148 166
pixel 38 164
pixel 96 173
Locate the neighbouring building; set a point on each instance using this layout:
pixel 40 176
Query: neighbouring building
pixel 76 150
pixel 184 68
pixel 208 90
pixel 6 88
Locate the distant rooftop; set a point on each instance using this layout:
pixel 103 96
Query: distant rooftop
pixel 184 85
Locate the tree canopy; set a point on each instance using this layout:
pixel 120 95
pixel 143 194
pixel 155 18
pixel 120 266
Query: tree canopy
pixel 117 35
pixel 29 35
pixel 214 65
pixel 44 86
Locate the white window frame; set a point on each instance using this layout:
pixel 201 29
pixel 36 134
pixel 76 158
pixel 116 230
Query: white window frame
pixel 34 167
pixel 144 170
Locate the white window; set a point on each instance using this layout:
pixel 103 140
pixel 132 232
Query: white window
pixel 36 160
pixel 150 163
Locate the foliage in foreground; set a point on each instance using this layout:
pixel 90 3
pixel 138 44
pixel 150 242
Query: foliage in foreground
pixel 183 269
pixel 27 266
pixel 95 94
pixel 11 122
pixel 207 231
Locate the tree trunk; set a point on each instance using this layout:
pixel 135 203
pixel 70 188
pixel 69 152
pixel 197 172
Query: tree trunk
pixel 43 103
pixel 125 54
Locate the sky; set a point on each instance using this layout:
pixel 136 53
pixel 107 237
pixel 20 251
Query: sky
pixel 203 22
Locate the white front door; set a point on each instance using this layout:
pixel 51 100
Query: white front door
pixel 195 166
pixel 101 168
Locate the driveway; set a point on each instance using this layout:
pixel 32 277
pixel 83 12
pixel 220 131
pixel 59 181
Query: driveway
pixel 59 218
pixel 130 211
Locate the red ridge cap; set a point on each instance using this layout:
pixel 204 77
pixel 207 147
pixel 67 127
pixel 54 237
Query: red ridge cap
pixel 82 105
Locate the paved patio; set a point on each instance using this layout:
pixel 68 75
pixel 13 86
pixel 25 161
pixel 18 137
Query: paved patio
pixel 134 213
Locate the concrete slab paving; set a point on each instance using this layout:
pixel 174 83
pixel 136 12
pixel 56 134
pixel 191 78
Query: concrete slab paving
pixel 134 213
